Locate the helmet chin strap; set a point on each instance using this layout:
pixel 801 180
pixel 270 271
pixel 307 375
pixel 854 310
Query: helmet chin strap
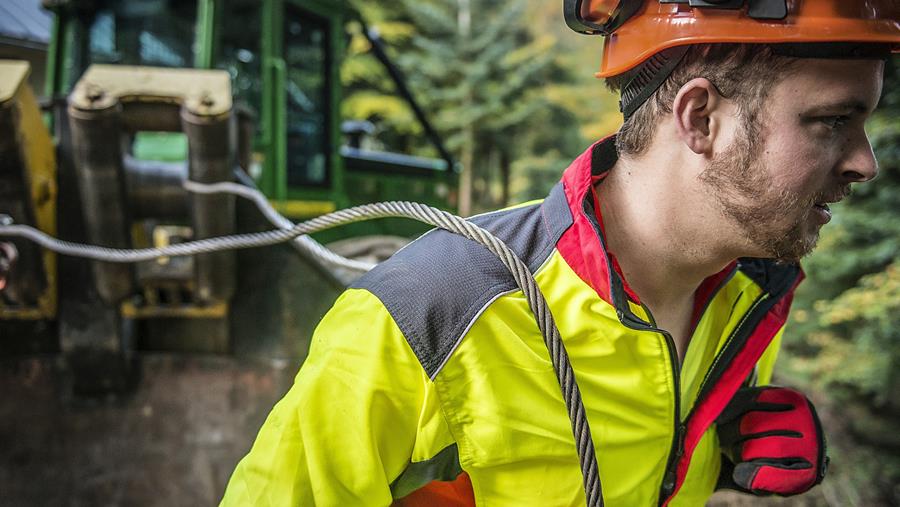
pixel 653 72
pixel 649 78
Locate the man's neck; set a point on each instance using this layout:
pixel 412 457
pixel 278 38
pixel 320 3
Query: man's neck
pixel 665 236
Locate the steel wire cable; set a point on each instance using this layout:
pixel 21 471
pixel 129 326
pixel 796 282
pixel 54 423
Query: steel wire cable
pixel 304 242
pixel 559 357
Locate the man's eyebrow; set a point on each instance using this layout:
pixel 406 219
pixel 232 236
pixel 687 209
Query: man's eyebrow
pixel 850 105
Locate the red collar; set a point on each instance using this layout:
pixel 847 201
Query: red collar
pixel 583 245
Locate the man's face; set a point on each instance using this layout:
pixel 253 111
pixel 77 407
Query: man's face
pixel 805 148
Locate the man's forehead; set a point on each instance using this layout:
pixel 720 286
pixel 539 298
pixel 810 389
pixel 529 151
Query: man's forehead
pixel 849 86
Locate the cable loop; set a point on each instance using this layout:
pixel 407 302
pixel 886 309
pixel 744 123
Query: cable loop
pixel 295 232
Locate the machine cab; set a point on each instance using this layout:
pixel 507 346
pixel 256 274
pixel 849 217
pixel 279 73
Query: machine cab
pixel 283 57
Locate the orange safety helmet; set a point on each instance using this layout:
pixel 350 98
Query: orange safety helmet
pixel 636 30
pixel 659 31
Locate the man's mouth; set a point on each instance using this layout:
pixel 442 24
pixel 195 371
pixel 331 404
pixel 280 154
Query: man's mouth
pixel 823 211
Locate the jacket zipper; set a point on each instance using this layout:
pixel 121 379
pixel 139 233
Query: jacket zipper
pixel 631 321
pixel 677 448
pixel 677 451
pixel 738 337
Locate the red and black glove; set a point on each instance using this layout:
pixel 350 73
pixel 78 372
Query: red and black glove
pixel 774 440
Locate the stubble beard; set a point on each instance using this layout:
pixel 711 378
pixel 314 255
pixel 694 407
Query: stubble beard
pixel 776 222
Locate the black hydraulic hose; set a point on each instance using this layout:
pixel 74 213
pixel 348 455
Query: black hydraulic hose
pixel 399 79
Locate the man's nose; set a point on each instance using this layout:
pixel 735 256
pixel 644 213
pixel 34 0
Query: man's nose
pixel 858 164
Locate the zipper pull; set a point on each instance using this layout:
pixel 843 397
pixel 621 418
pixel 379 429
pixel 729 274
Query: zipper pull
pixel 671 477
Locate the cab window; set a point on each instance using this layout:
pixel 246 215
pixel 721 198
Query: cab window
pixel 143 32
pixel 306 86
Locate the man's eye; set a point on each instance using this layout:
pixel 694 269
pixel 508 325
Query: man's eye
pixel 834 122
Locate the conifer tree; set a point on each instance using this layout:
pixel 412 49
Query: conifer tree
pixel 481 72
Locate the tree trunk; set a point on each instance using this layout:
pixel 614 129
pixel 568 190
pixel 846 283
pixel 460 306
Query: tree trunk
pixel 464 28
pixel 505 170
pixel 466 159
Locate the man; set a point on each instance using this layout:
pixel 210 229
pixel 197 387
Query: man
pixel 668 256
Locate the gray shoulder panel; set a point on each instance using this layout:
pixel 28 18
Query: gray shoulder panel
pixel 436 286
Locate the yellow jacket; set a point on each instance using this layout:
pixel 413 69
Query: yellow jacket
pixel 432 366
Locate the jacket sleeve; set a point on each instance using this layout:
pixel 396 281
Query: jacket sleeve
pixel 347 428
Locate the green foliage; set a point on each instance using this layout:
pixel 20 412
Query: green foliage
pixel 507 89
pixel 845 336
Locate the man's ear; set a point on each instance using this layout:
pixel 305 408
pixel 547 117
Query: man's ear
pixel 692 111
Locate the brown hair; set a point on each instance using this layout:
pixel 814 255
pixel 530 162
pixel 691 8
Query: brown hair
pixel 741 72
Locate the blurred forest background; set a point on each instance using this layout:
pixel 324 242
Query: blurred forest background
pixel 512 91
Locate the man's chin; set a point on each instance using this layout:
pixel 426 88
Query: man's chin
pixel 769 238
pixel 790 251
pixel 785 246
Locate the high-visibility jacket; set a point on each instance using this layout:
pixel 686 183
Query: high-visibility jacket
pixel 431 368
